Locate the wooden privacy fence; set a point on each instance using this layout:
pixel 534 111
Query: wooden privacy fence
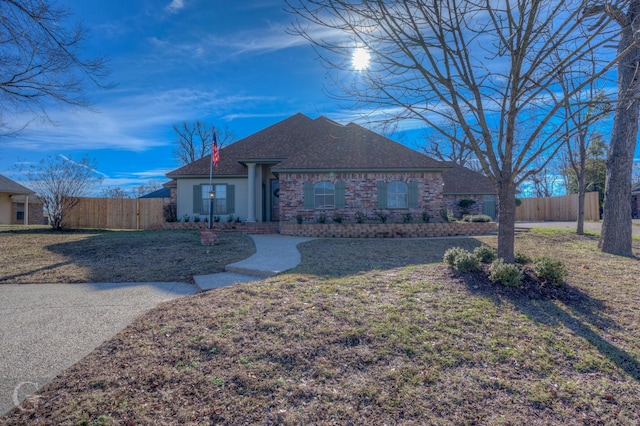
pixel 557 208
pixel 116 213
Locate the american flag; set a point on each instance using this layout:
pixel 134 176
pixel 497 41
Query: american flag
pixel 215 154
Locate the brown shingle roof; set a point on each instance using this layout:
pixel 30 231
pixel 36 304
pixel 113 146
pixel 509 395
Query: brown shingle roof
pixel 273 144
pixel 14 188
pixel 352 147
pixel 301 143
pixel 460 180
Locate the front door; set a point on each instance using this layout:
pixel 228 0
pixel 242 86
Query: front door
pixel 275 200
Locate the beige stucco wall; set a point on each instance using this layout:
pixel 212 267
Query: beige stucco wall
pixel 5 209
pixel 185 195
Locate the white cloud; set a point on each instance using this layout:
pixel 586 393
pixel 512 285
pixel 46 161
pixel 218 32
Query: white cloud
pixel 175 6
pixel 129 122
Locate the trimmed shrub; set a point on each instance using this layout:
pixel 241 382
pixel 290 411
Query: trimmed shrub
pixel 485 254
pixel 505 273
pixel 337 218
pixel 466 203
pixel 382 216
pixel 451 254
pixel 321 218
pixel 299 219
pixel 522 258
pixel 467 262
pixel 476 218
pixel 359 217
pixel 425 217
pixel 407 217
pixel 550 271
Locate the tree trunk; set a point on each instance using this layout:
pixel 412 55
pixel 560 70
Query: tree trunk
pixel 507 221
pixel 616 226
pixel 580 226
pixel 581 177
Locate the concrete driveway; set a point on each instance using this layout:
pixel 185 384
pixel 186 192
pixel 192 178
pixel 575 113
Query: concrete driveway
pixel 588 225
pixel 46 328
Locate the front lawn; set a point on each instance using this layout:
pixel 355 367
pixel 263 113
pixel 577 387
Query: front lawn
pixel 39 255
pixel 374 332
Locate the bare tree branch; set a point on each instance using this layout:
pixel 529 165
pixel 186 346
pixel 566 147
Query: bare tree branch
pixel 40 61
pixel 193 140
pixel 491 67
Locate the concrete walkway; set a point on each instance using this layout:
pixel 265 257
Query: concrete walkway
pixel 274 254
pixel 46 328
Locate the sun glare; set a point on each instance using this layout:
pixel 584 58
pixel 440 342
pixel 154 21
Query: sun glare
pixel 360 59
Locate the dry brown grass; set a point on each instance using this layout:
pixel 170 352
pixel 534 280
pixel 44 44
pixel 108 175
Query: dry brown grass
pixel 39 255
pixel 374 332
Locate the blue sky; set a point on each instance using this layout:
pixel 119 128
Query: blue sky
pixel 225 62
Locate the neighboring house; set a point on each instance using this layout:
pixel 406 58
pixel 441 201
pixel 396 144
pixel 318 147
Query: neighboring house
pixel 301 167
pixel 158 193
pixel 18 204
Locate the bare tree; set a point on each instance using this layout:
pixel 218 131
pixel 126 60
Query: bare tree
pixel 442 149
pixel 59 182
pixel 41 62
pixel 544 181
pixel 193 140
pixel 114 192
pixel 488 66
pixel 141 190
pixel 585 146
pixel 616 226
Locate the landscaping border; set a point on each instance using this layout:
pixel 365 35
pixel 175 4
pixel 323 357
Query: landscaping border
pixel 387 230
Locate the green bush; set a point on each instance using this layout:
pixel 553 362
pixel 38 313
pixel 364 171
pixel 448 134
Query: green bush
pixel 321 218
pixel 476 218
pixel 359 217
pixel 425 217
pixel 461 259
pixel 337 218
pixel 467 202
pixel 505 273
pixel 452 254
pixel 485 254
pixel 382 216
pixel 407 217
pixel 550 271
pixel 299 219
pixel 522 258
pixel 467 262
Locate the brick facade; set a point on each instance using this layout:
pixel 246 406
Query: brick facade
pixel 242 227
pixel 36 214
pixel 451 203
pixel 360 195
pixel 393 230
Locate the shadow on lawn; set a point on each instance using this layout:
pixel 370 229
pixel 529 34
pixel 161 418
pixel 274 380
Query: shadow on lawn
pixel 340 257
pixel 567 306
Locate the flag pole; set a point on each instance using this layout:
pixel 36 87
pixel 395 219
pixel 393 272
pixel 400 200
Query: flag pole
pixel 211 192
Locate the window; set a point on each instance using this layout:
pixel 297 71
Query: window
pixel 219 202
pixel 20 211
pixel 397 195
pixel 324 194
